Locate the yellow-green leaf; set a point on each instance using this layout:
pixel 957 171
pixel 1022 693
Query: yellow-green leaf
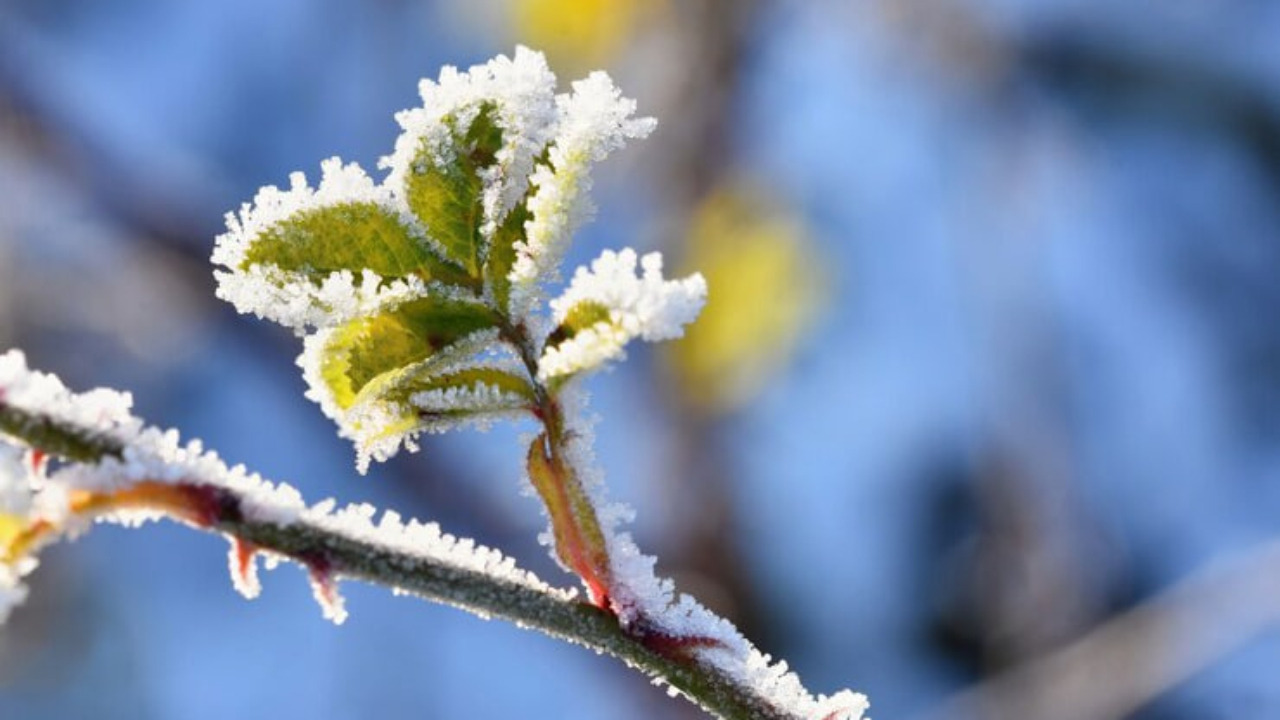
pixel 579 318
pixel 465 379
pixel 371 347
pixel 445 190
pixel 393 392
pixel 502 254
pixel 351 236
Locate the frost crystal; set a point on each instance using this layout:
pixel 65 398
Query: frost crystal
pixel 594 121
pixel 645 306
pixel 468 401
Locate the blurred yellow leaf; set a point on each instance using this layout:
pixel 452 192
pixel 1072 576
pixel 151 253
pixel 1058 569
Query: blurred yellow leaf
pixel 579 33
pixel 765 284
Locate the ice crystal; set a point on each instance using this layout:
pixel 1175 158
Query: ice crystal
pixel 645 306
pixel 95 410
pixel 467 401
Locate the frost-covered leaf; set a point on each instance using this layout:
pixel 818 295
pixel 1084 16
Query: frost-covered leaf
pixel 365 374
pixel 308 257
pixel 434 395
pixel 582 316
pixel 419 398
pixel 353 236
pixel 469 390
pixel 502 256
pixel 580 544
pixel 594 120
pixel 608 305
pixel 356 354
pixel 445 188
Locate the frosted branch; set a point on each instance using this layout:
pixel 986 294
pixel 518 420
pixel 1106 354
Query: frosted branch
pixel 119 471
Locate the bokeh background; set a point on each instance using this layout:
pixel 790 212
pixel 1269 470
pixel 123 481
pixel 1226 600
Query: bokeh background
pixel 983 418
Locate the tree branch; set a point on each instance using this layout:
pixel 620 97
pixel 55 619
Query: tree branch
pixel 347 556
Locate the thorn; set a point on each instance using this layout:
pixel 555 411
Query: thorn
pixel 244 568
pixel 324 587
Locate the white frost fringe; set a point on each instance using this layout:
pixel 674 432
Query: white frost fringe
pixel 645 306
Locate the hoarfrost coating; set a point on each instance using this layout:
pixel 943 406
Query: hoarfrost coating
pixel 594 121
pixel 549 143
pixel 645 306
pixel 485 141
pixel 371 422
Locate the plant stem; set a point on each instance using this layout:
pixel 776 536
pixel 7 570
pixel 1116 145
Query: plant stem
pixel 580 542
pixel 487 596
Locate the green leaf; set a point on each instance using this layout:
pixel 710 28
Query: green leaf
pixel 468 378
pixel 393 391
pixel 502 255
pixel 579 318
pixel 381 346
pixel 448 198
pixel 348 236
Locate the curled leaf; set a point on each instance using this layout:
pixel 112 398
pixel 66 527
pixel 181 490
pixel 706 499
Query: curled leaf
pixel 608 305
pixel 579 541
pixel 367 348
